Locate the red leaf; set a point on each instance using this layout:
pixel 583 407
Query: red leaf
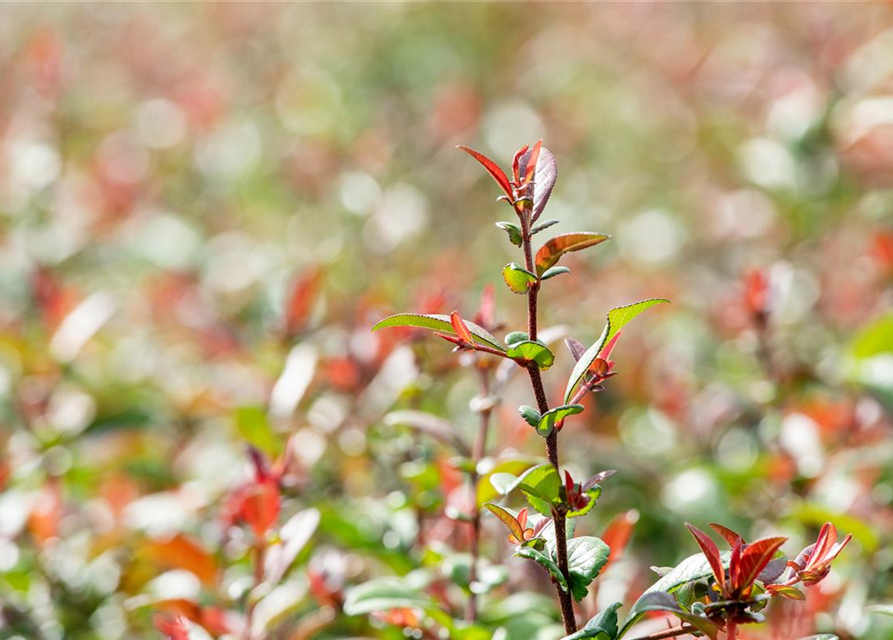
pixel 182 552
pixel 730 536
pixel 516 162
pixel 618 533
pixel 754 559
pixel 711 552
pixel 460 328
pixel 492 168
pixel 528 162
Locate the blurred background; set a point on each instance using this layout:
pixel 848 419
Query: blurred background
pixel 205 207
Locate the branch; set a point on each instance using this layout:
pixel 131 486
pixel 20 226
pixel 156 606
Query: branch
pixel 681 630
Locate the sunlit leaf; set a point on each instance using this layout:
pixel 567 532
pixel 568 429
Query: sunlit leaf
pixel 541 482
pixel 486 489
pixel 492 168
pixel 545 561
pixel 513 229
pixel 532 352
pixel 617 319
pixel 293 537
pixel 508 520
pixel 551 252
pixel 711 552
pixel 661 601
pixel 437 322
pixel 544 181
pixel 553 417
pixel 517 277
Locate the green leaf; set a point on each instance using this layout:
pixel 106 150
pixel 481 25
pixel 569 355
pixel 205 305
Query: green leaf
pixel 437 322
pixel 693 567
pixel 551 252
pixel 545 224
pixel 617 319
pixel 585 558
pixel 517 277
pixel 514 231
pixel 486 490
pixel 601 627
pixel 253 425
pixel 515 337
pixel 532 351
pixel 545 561
pixel 503 482
pixel 553 416
pixel 541 485
pixel 593 494
pixel 530 415
pixel 660 601
pixel 551 272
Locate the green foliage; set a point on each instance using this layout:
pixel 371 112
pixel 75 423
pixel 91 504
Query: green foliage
pixel 601 627
pixel 617 319
pixel 531 351
pixel 513 229
pixel 437 322
pixel 518 278
pixel 553 417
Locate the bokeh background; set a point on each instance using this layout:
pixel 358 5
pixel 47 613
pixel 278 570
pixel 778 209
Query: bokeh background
pixel 205 207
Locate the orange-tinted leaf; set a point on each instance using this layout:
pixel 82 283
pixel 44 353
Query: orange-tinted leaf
pixel 730 536
pixel 492 168
pixel 460 328
pixel 527 165
pixel 754 558
pixel 711 552
pixel 182 552
pixel 508 520
pixel 551 252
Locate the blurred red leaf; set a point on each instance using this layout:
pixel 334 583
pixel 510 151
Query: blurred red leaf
pixel 183 552
pixel 302 296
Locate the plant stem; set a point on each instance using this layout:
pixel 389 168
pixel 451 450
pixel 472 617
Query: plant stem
pixel 558 520
pixel 669 633
pixel 480 448
pixel 731 631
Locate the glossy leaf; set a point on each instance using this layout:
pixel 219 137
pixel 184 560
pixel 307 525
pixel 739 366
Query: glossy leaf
pixel 513 229
pixel 517 277
pixel 586 556
pixel 544 181
pixel 492 168
pixel 532 351
pixel 555 416
pixel 530 415
pixel 711 552
pixel 755 557
pixel 730 536
pixel 617 319
pixel 551 272
pixel 601 627
pixel 551 252
pixel 437 322
pixel 791 593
